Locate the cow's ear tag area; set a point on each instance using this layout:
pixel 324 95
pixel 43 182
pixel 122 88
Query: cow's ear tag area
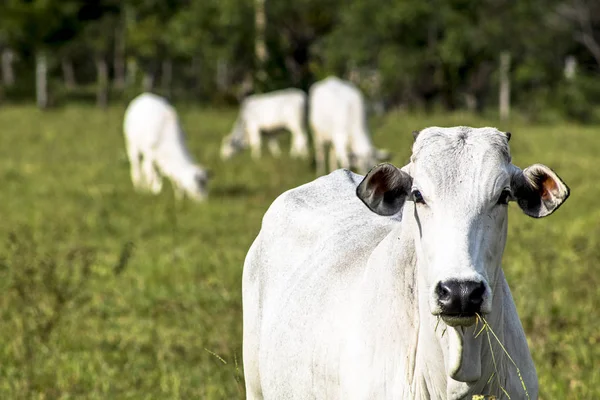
pixel 384 189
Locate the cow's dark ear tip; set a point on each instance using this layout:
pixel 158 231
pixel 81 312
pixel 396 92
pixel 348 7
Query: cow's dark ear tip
pixel 415 134
pixel 384 189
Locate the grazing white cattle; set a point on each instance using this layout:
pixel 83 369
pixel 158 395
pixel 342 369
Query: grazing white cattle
pixel 337 119
pixel 369 287
pixel 156 146
pixel 261 113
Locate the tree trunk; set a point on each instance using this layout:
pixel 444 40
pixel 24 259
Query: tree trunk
pixel 260 48
pixel 148 81
pixel 588 40
pixel 41 79
pixel 570 68
pixel 245 88
pixel 119 55
pixel 584 15
pixel 102 83
pixel 166 76
pixel 8 74
pixel 196 73
pixel 68 73
pixel 504 92
pixel 131 72
pixel 222 78
pixel 471 102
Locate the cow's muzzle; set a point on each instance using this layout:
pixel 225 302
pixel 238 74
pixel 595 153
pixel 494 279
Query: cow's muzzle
pixel 460 301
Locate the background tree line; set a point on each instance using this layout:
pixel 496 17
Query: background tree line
pixel 430 54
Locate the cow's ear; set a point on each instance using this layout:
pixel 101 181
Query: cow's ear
pixel 384 189
pixel 538 190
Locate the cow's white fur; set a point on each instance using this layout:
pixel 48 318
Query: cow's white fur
pixel 260 113
pixel 337 119
pixel 337 300
pixel 156 146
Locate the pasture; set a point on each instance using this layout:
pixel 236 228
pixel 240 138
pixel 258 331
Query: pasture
pixel 107 293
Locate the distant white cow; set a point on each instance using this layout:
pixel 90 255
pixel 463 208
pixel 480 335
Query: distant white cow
pixel 260 113
pixel 337 119
pixel 156 146
pixel 369 287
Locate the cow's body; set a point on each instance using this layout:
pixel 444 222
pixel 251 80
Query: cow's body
pixel 260 113
pixel 337 302
pixel 338 120
pixel 156 147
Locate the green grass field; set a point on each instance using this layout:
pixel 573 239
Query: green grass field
pixel 110 294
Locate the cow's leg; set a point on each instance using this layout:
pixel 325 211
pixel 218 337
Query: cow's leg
pixel 320 157
pixel 178 192
pixel 254 140
pixel 253 391
pixel 364 163
pixel 135 168
pixel 299 141
pixel 340 149
pixel 152 177
pixel 333 161
pixel 252 322
pixel 273 145
pixel 251 373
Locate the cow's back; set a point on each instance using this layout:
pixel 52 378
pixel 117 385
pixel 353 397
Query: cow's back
pixel 335 106
pixel 146 118
pixel 275 109
pixel 311 250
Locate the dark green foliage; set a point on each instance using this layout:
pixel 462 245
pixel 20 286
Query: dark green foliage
pixel 409 53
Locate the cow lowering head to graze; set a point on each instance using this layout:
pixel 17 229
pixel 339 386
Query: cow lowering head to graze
pixel 156 147
pixel 338 121
pixel 265 113
pixel 372 287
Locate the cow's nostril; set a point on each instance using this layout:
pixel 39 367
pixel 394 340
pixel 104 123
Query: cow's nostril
pixel 476 295
pixel 460 297
pixel 449 297
pixel 442 291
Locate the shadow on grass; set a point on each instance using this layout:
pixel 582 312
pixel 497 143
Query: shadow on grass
pixel 234 190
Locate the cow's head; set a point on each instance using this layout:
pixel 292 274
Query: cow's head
pixel 234 142
pixel 460 181
pixel 194 182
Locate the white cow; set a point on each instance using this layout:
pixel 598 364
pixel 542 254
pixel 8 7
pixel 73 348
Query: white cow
pixel 338 119
pixel 156 146
pixel 260 113
pixel 368 287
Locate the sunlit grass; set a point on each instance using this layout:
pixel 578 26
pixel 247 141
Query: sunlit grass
pixel 164 320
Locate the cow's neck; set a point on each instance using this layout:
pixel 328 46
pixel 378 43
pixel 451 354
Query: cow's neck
pixel 464 351
pixel 395 301
pixel 464 354
pixel 173 167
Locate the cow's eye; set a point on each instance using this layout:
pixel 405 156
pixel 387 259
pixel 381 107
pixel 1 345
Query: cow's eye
pixel 417 197
pixel 504 197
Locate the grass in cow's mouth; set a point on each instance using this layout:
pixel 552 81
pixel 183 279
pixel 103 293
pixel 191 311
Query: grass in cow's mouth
pixel 485 326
